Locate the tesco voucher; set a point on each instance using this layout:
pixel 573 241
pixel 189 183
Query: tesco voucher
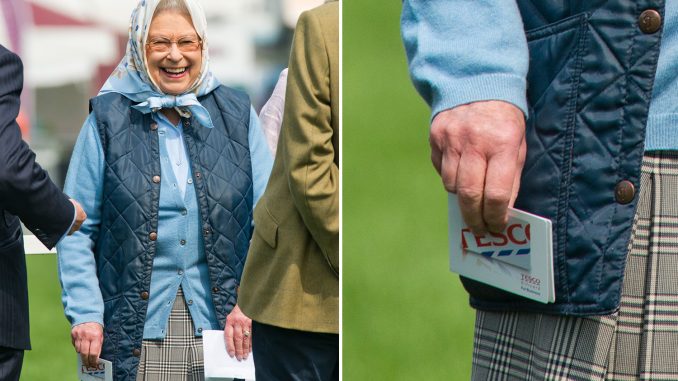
pixel 518 260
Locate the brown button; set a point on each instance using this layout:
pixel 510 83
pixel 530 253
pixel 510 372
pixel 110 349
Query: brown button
pixel 153 236
pixel 156 179
pixel 144 295
pixel 215 289
pixel 136 352
pixel 154 126
pixel 624 192
pixel 650 21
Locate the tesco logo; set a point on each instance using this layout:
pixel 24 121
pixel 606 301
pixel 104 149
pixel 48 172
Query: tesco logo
pixel 515 234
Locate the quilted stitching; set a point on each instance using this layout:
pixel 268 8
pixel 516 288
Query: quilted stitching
pixel 130 202
pixel 612 91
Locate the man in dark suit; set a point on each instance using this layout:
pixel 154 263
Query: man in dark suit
pixel 26 192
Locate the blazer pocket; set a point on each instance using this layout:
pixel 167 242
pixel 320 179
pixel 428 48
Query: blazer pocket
pixel 266 226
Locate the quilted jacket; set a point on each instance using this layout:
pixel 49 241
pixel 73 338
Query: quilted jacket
pixel 124 250
pixel 592 66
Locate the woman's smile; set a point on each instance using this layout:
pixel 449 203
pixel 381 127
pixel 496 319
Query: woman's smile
pixel 175 73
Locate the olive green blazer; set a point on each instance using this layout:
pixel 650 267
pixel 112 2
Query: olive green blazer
pixel 291 277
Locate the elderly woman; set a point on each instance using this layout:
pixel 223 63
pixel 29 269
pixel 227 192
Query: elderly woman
pixel 168 165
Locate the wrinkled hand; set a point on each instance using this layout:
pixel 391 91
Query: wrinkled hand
pixel 80 217
pixel 479 151
pixel 238 334
pixel 87 339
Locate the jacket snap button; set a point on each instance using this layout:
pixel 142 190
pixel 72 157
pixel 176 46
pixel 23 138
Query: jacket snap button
pixel 156 179
pixel 144 295
pixel 650 21
pixel 197 174
pixel 153 236
pixel 624 192
pixel 215 289
pixel 136 352
pixel 154 126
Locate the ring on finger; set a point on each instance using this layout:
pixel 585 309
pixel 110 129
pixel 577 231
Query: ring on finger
pixel 246 333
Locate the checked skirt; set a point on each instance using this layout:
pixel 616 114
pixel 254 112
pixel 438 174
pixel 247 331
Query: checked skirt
pixel 179 356
pixel 639 342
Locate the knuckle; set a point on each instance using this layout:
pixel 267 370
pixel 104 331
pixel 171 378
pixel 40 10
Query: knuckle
pixel 469 195
pixel 497 196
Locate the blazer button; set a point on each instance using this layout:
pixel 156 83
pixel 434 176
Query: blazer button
pixel 649 21
pixel 624 192
pixel 136 352
pixel 154 126
pixel 153 236
pixel 144 295
pixel 156 179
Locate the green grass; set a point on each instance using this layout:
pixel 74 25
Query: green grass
pixel 53 357
pixel 405 316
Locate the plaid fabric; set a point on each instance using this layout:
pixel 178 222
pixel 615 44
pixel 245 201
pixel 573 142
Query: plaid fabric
pixel 637 343
pixel 179 356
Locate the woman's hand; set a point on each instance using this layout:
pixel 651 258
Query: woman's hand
pixel 87 339
pixel 238 334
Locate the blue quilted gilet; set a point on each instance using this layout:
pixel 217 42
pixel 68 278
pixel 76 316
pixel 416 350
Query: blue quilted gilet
pixel 222 174
pixel 589 88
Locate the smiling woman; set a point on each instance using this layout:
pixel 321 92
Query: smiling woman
pixel 153 252
pixel 173 53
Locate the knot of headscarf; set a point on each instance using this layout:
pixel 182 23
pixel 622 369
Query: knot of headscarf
pixel 131 77
pixel 186 105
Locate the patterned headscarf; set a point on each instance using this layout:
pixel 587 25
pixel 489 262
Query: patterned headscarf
pixel 131 78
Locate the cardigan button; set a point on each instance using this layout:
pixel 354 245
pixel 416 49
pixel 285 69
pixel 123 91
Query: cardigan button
pixel 624 192
pixel 144 295
pixel 153 236
pixel 136 352
pixel 650 21
pixel 156 179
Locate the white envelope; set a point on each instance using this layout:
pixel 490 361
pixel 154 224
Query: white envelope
pixel 219 366
pixel 519 260
pixel 103 371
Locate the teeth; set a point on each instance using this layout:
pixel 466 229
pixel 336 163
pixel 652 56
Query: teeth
pixel 175 71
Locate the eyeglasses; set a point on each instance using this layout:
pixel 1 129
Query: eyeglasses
pixel 185 45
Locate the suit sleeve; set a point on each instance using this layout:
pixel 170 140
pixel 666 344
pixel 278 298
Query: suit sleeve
pixel 25 188
pixel 306 138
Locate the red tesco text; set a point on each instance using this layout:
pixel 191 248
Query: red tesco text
pixel 516 234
